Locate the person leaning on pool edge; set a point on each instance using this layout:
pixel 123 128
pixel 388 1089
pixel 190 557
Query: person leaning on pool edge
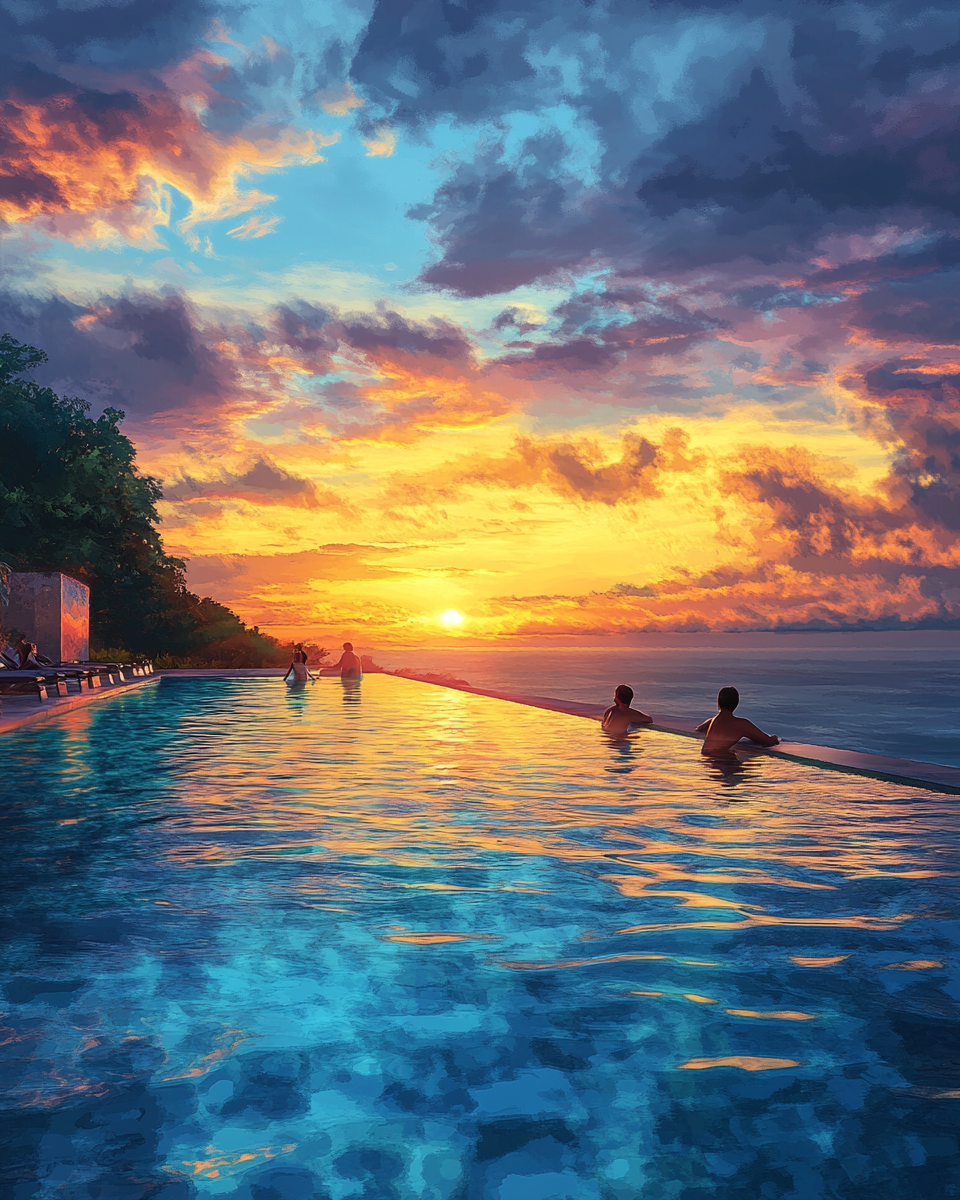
pixel 724 730
pixel 350 665
pixel 620 716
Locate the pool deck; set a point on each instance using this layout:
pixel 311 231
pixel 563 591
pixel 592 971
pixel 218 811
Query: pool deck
pixel 19 711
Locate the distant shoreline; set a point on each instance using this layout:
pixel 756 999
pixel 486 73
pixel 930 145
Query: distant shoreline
pixel 626 641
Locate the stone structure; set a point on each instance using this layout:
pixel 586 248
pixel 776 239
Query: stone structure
pixel 52 610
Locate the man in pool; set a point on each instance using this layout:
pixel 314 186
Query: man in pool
pixel 349 665
pixel 724 730
pixel 620 716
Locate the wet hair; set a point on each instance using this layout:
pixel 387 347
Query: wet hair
pixel 624 694
pixel 728 698
pixel 348 645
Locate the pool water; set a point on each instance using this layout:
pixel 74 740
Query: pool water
pixel 389 940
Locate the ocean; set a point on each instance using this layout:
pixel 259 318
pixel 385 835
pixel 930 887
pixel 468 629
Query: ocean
pixel 882 693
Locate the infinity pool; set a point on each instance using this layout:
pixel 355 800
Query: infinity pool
pixel 389 940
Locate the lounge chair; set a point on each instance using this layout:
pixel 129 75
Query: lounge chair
pixel 18 682
pixel 52 674
pixel 138 666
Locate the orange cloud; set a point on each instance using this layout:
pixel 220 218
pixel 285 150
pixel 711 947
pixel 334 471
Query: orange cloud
pixel 263 483
pixel 574 468
pixel 339 101
pixel 780 597
pixel 381 145
pixel 94 162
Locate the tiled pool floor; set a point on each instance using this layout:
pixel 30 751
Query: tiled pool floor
pixel 390 940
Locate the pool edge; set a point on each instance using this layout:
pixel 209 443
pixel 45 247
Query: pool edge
pixel 58 705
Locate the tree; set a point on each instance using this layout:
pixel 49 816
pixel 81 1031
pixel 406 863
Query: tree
pixel 72 500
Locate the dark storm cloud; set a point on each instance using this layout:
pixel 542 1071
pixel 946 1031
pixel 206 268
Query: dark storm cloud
pixel 140 353
pixel 919 310
pixel 786 166
pixel 785 121
pixel 139 34
pixel 921 408
pixel 501 227
pixel 154 357
pixel 389 332
pixel 263 482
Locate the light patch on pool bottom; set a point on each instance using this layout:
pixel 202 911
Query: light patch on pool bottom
pixel 437 939
pixel 279 953
pixel 786 1015
pixel 743 1062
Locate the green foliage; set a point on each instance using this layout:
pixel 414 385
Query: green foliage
pixel 72 500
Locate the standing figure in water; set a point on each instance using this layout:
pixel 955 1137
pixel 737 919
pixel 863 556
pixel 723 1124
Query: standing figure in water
pixel 620 716
pixel 298 668
pixel 350 665
pixel 724 730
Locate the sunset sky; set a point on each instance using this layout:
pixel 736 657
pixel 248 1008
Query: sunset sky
pixel 574 318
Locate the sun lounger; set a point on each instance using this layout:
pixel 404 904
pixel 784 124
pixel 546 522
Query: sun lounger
pixel 44 677
pixel 120 670
pixel 18 682
pixel 111 672
pixel 57 676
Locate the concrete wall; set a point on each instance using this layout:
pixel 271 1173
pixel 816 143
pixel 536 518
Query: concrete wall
pixel 53 610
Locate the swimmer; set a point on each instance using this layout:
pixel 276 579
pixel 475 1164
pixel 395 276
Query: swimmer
pixel 350 666
pixel 724 730
pixel 620 716
pixel 299 667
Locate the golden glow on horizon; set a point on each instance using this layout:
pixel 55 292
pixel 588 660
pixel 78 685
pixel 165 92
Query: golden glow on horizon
pixel 536 534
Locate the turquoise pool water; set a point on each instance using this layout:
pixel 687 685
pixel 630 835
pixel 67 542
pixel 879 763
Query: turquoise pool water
pixel 388 940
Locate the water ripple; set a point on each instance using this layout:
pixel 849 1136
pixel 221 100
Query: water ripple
pixel 340 942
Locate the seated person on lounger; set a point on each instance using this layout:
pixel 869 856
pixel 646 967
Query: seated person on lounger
pixel 349 665
pixel 620 716
pixel 724 730
pixel 26 654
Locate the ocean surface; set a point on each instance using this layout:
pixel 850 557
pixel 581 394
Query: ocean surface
pixel 896 694
pixel 388 941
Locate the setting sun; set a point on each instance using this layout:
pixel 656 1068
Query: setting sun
pixel 451 618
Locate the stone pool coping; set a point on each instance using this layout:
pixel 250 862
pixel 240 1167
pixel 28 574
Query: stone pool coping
pixel 19 711
pixel 929 776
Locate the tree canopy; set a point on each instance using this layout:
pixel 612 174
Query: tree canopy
pixel 72 500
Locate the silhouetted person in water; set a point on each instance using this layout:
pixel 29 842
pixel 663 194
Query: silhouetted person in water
pixel 298 668
pixel 349 664
pixel 620 716
pixel 724 730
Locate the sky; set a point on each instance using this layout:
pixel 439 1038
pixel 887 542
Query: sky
pixel 571 318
